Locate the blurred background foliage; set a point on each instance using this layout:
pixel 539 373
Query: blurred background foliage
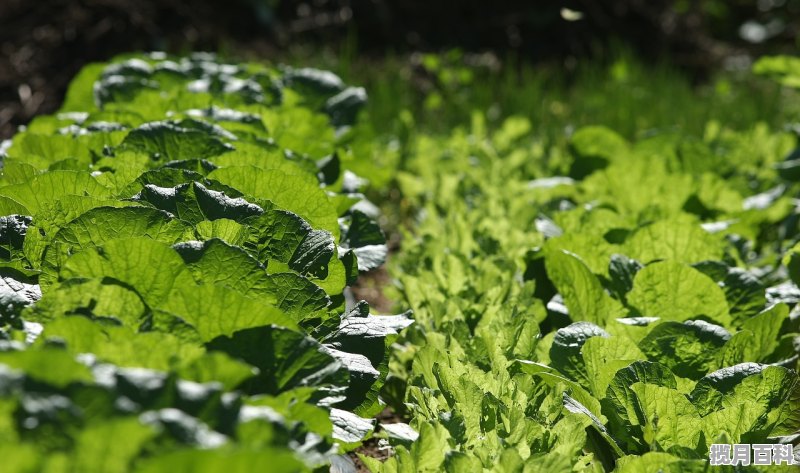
pixel 561 63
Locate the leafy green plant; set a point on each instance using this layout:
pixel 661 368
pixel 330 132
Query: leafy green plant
pixel 611 305
pixel 177 243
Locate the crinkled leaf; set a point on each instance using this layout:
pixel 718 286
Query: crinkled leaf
pixel 285 359
pixel 582 292
pixel 673 291
pixel 287 191
pixel 689 349
pixel 172 142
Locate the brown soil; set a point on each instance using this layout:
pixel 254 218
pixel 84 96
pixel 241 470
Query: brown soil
pixel 371 448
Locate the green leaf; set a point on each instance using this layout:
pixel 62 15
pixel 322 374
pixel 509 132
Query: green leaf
pixel 603 357
pixel 223 459
pixel 285 359
pixel 168 141
pixel 100 225
pixel 287 191
pixel 80 93
pixel 679 240
pixel 747 401
pixel 193 202
pixel 291 128
pixel 122 346
pixel 99 447
pixel 349 428
pixel 47 365
pixel 45 189
pixel 344 106
pixel 151 268
pixel 92 298
pixel 12 235
pixel 219 367
pixel 216 262
pixel 226 230
pixel 581 290
pixel 215 310
pixel 689 349
pixel 594 148
pixel 673 291
pixel 314 254
pixel 744 291
pixel 768 386
pixel 766 327
pixel 621 405
pixel 565 352
pixel 367 241
pixel 621 272
pixel 668 419
pixel 784 69
pixel 660 461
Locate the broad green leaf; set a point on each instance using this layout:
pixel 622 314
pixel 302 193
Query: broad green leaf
pixel 673 291
pixel 16 293
pixel 193 202
pixel 581 290
pixel 48 365
pixel 349 428
pixel 689 349
pixel 217 367
pixel 766 328
pixel 168 141
pixel 80 93
pixel 285 359
pixel 151 268
pixel 287 191
pixel 274 158
pixel 91 298
pixel 110 446
pixel 768 386
pixel 621 405
pixel 565 352
pixel 603 357
pixel 218 263
pixel 679 240
pixel 660 461
pixel 215 262
pixel 785 69
pixel 222 459
pixel 594 148
pixel 214 311
pixel 47 188
pixel 292 126
pixel 226 230
pixel 100 225
pixel 668 419
pixel 366 239
pixel 621 271
pixel 122 346
pixel 56 215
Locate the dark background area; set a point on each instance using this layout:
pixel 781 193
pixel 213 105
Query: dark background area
pixel 44 43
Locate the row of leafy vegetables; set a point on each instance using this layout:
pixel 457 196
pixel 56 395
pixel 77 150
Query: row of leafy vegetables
pixel 176 246
pixel 602 306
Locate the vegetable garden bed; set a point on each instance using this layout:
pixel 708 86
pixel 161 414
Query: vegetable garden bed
pixel 178 242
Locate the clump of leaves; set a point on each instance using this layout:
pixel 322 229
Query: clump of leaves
pixel 175 248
